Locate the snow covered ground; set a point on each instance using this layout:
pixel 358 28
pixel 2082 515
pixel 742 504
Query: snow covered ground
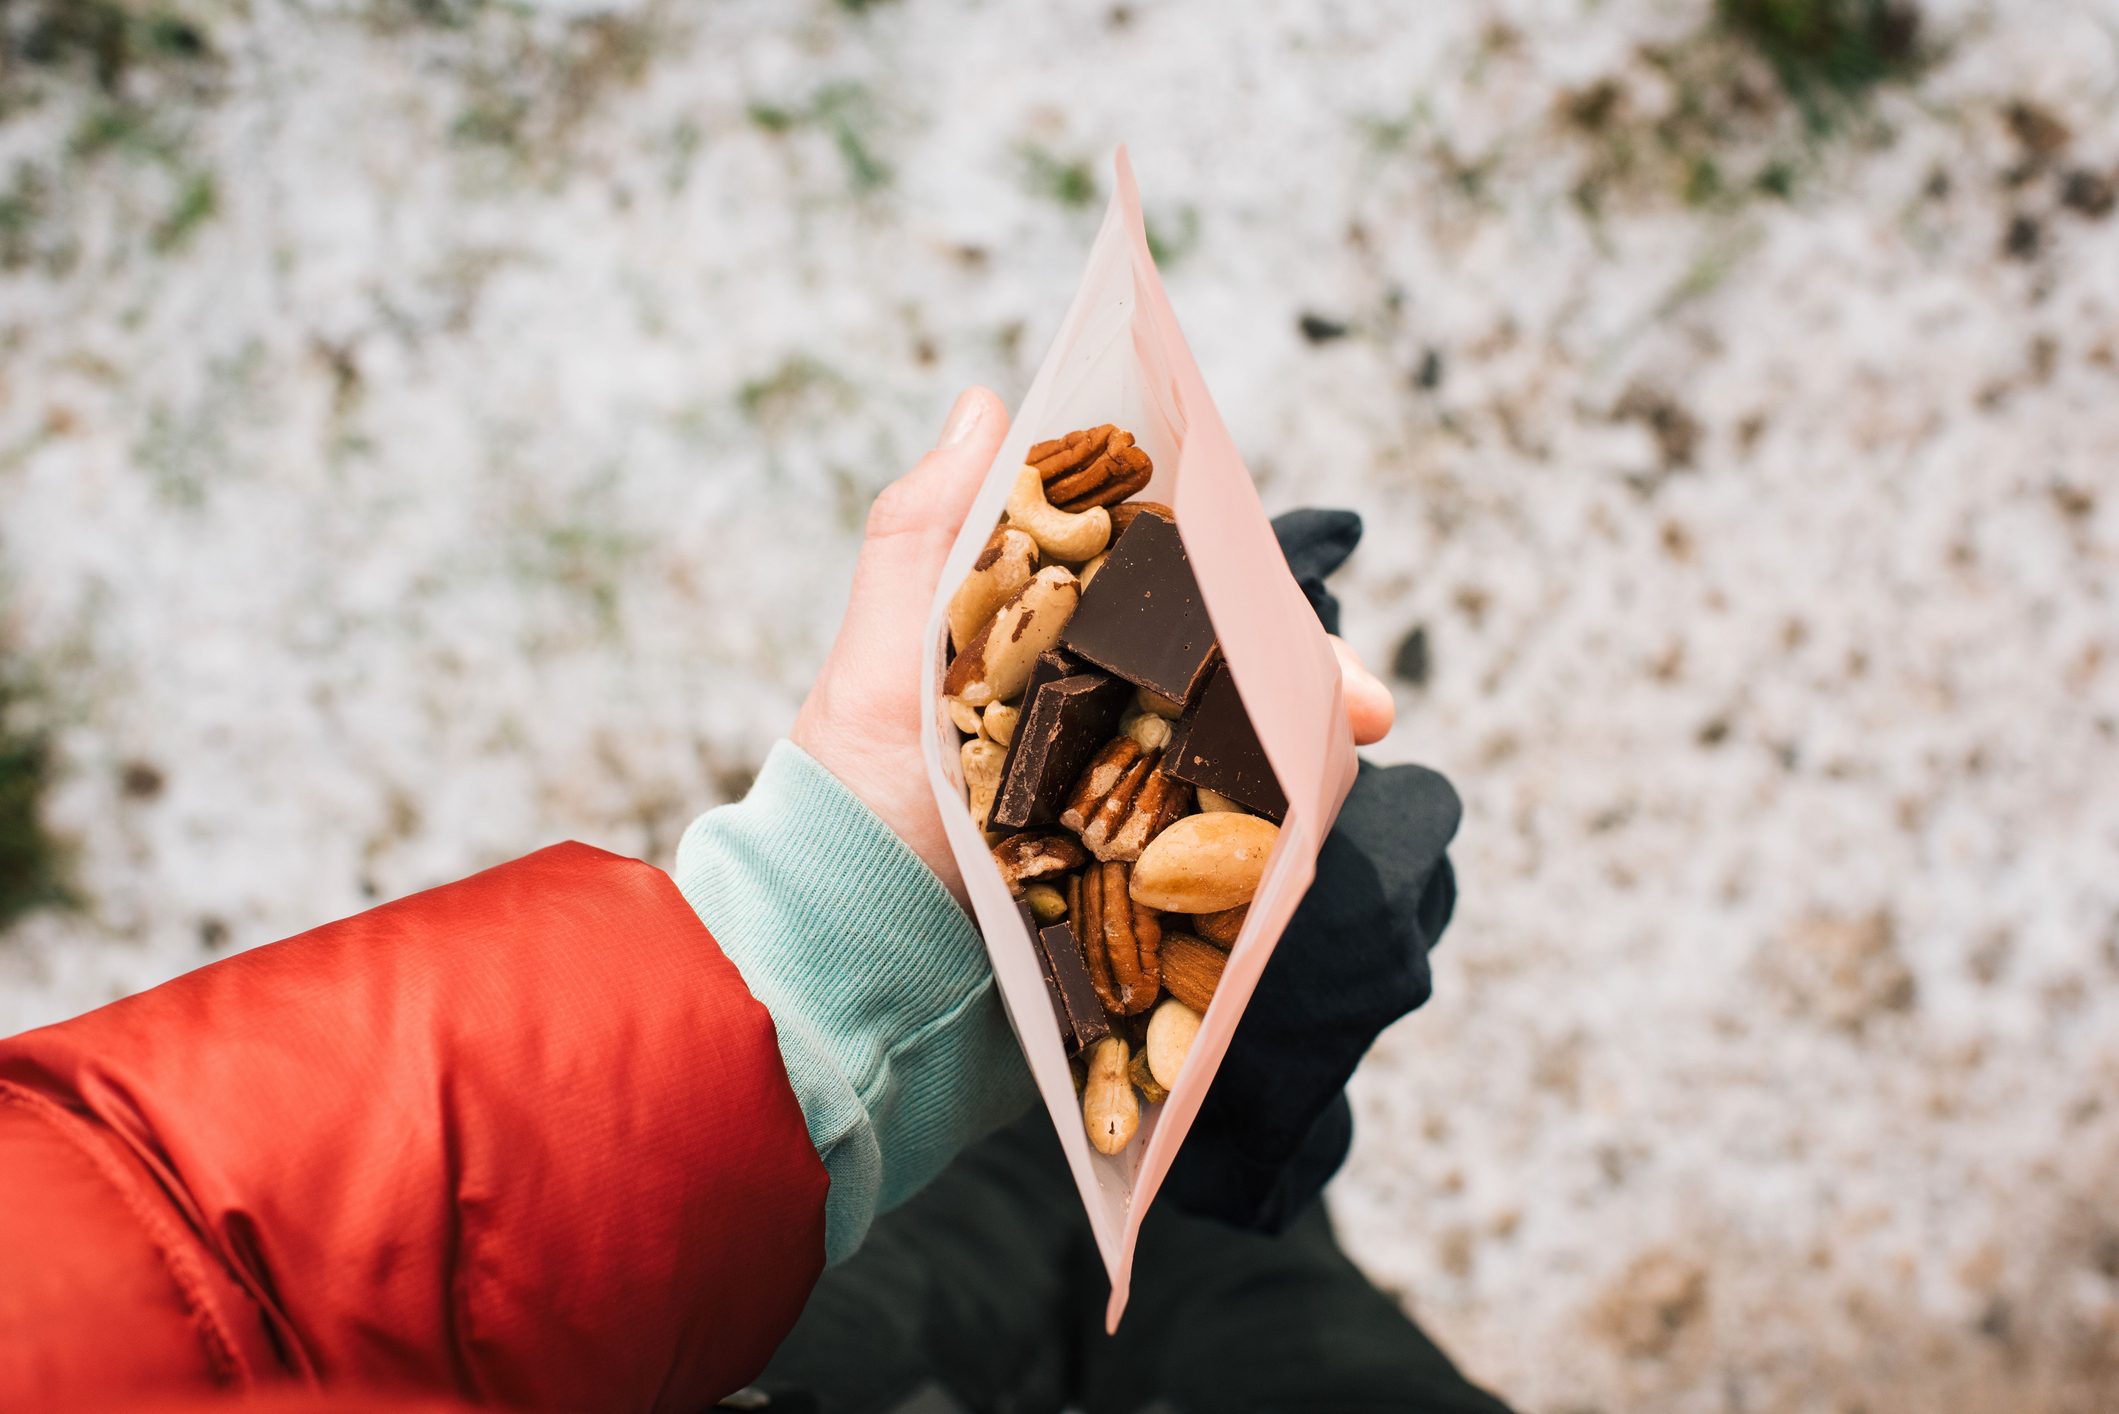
pixel 429 432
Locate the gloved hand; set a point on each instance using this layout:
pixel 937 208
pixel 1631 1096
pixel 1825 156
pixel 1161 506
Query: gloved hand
pixel 1276 1125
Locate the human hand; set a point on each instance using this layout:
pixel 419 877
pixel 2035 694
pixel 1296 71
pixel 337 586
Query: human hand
pixel 1352 960
pixel 863 717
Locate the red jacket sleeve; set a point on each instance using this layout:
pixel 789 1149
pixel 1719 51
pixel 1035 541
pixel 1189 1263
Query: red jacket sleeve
pixel 525 1139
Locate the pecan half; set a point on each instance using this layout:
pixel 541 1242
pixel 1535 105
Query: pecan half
pixel 1098 466
pixel 1121 940
pixel 1123 516
pixel 1036 855
pixel 1124 799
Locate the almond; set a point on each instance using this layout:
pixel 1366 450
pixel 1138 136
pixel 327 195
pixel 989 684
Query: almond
pixel 1221 929
pixel 1191 970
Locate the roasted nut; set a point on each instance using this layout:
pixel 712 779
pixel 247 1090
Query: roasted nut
pixel 1191 971
pixel 1004 566
pixel 1110 1111
pixel 1214 802
pixel 1170 1033
pixel 1151 731
pixel 1047 904
pixel 1060 535
pixel 1143 1078
pixel 966 718
pixel 1098 466
pixel 998 721
pixel 1088 571
pixel 1123 516
pixel 1036 855
pixel 1121 940
pixel 1204 863
pixel 1123 799
pixel 1221 929
pixel 996 664
pixel 982 776
pixel 1098 779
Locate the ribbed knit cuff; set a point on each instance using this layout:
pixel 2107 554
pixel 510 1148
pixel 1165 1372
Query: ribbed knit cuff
pixel 879 988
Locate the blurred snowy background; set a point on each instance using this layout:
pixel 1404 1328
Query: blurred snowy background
pixel 429 430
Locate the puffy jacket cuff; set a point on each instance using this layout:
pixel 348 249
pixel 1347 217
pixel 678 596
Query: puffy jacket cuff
pixel 878 985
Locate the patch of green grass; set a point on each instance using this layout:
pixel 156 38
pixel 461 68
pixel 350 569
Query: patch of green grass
pixel 492 120
pixel 1752 97
pixel 843 112
pixel 197 200
pixel 773 118
pixel 22 206
pixel 864 169
pixel 443 14
pixel 106 38
pixel 35 866
pixel 1069 182
pixel 772 398
pixel 124 128
pixel 1828 53
pixel 1172 243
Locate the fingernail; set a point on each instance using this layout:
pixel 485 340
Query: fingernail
pixel 964 418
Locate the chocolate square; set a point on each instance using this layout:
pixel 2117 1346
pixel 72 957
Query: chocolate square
pixel 1063 955
pixel 1063 722
pixel 1215 746
pixel 1142 617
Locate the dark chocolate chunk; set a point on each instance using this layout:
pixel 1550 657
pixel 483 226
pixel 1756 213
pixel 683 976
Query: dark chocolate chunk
pixel 1063 722
pixel 1142 618
pixel 1044 963
pixel 1063 955
pixel 1214 746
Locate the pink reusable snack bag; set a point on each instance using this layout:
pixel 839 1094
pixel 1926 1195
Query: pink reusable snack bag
pixel 1120 358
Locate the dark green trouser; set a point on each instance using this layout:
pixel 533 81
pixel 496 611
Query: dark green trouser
pixel 984 1293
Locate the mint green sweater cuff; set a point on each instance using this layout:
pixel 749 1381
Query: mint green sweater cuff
pixel 879 988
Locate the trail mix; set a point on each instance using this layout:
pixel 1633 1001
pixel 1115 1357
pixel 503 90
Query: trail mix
pixel 1110 763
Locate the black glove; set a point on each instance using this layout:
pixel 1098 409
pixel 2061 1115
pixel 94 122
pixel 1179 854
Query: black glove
pixel 1275 1126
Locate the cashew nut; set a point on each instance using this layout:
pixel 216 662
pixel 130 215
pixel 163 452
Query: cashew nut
pixel 1004 566
pixel 963 714
pixel 1213 801
pixel 1062 535
pixel 1000 719
pixel 1088 571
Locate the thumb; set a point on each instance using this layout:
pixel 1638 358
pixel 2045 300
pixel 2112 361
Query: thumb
pixel 915 519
